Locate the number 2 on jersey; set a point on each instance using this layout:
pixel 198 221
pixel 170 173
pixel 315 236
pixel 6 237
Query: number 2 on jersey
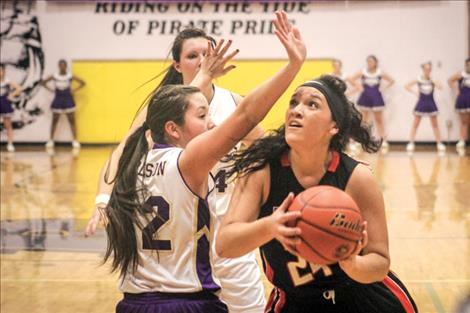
pixel 150 231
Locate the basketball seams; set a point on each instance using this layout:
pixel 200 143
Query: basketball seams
pixel 316 252
pixel 305 202
pixel 303 206
pixel 328 231
pixel 329 208
pixel 319 192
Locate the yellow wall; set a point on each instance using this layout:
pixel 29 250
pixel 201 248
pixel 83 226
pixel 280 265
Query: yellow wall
pixel 108 103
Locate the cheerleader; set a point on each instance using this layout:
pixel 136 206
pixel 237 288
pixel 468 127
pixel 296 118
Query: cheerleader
pixel 462 104
pixel 8 91
pixel 426 106
pixel 371 98
pixel 63 102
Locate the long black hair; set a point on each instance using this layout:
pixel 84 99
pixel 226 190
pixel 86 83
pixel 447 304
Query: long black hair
pixel 126 205
pixel 347 118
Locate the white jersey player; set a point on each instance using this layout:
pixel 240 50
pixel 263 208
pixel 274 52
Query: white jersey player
pixel 177 116
pixel 240 278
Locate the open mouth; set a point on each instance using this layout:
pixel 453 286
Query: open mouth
pixel 294 124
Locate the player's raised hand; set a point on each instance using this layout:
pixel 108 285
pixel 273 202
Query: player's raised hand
pixel 290 38
pixel 216 58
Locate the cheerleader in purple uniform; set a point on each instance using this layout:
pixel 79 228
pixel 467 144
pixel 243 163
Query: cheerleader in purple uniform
pixel 63 102
pixel 8 91
pixel 371 98
pixel 462 105
pixel 426 105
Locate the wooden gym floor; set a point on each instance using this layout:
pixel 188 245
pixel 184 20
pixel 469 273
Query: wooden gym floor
pixel 47 265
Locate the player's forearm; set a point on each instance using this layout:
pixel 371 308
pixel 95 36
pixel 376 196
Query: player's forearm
pixel 237 239
pixel 203 81
pixel 369 268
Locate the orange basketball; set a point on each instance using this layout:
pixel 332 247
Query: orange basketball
pixel 331 224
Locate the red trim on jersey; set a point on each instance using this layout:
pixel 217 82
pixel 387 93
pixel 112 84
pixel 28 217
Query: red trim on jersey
pixel 272 296
pixel 400 294
pixel 269 271
pixel 282 301
pixel 285 160
pixel 335 158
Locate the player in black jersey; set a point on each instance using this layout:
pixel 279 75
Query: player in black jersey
pixel 305 152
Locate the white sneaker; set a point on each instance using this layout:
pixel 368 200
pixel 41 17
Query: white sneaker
pixel 50 144
pixel 460 144
pixel 441 147
pixel 410 147
pixel 10 147
pixel 384 144
pixel 75 144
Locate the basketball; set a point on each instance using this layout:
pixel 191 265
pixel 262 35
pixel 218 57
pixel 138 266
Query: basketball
pixel 331 224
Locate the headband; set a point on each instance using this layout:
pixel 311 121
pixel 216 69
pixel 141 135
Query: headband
pixel 331 98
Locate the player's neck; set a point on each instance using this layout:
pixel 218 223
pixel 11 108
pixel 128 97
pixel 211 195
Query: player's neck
pixel 310 162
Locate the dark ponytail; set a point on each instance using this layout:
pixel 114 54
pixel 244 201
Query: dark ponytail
pixel 124 205
pixel 126 209
pixel 348 120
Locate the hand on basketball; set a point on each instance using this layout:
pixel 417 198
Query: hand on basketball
pixel 98 217
pixel 286 235
pixel 290 38
pixel 349 264
pixel 215 59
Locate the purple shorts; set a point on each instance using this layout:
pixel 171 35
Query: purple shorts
pixel 6 110
pixel 63 101
pixel 159 302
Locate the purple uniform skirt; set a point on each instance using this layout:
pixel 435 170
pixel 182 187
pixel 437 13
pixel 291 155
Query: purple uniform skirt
pixel 426 106
pixel 159 302
pixel 6 110
pixel 371 99
pixel 63 101
pixel 463 101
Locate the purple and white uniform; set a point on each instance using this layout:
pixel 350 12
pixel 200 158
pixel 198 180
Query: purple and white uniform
pixel 462 104
pixel 371 97
pixel 63 100
pixel 6 109
pixel 174 272
pixel 240 278
pixel 426 105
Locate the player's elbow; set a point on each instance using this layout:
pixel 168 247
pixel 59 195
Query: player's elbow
pixel 220 244
pixel 382 271
pixel 223 246
pixel 219 248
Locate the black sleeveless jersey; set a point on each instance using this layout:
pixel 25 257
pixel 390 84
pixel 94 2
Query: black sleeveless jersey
pixel 288 272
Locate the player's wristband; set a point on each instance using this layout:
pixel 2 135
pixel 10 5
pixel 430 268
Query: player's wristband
pixel 102 198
